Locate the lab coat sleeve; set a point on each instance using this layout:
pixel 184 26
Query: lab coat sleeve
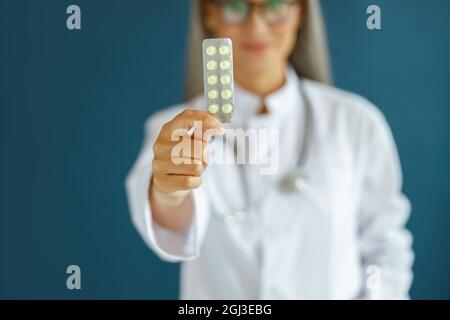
pixel 169 245
pixel 385 243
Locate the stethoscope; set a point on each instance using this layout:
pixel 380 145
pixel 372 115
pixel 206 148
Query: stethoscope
pixel 296 181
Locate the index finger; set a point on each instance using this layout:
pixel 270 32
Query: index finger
pixel 188 116
pixel 201 121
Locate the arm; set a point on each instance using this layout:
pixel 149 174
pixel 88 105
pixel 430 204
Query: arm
pixel 168 204
pixel 385 243
pixel 171 211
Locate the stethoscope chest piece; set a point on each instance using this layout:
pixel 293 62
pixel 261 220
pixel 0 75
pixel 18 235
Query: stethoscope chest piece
pixel 294 182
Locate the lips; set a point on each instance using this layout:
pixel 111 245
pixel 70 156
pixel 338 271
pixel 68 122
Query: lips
pixel 255 46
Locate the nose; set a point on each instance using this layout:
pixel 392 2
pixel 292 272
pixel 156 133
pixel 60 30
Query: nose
pixel 255 23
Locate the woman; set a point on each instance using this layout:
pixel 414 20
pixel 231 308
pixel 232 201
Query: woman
pixel 238 233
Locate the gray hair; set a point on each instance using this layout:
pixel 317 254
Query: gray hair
pixel 309 58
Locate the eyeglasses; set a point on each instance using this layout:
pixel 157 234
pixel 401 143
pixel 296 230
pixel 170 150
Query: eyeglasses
pixel 238 11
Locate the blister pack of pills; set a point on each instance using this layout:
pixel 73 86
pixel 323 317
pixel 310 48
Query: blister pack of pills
pixel 218 77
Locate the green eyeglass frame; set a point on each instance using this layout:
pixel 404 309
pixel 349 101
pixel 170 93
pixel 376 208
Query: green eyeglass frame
pixel 238 11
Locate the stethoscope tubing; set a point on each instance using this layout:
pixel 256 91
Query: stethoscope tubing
pixel 301 163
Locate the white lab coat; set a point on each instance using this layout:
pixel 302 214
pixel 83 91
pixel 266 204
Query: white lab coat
pixel 344 237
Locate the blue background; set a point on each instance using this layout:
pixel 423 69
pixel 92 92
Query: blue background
pixel 73 104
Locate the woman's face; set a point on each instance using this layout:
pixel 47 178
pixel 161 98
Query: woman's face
pixel 258 45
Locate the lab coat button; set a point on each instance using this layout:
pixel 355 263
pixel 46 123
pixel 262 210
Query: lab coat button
pixel 230 219
pixel 234 217
pixel 239 215
pixel 274 293
pixel 273 233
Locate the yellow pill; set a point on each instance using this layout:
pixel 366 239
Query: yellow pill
pixel 224 65
pixel 213 108
pixel 210 51
pixel 212 80
pixel 226 94
pixel 227 108
pixel 224 50
pixel 211 65
pixel 226 79
pixel 213 94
